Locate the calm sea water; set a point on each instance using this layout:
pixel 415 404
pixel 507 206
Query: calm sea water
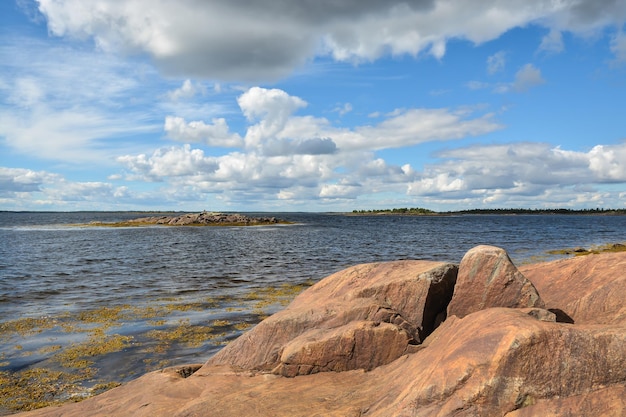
pixel 50 268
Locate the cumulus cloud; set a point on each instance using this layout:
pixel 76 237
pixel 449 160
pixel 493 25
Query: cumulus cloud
pixel 18 180
pixel 22 189
pixel 267 39
pixel 271 107
pixel 169 162
pixel 291 156
pixel 215 134
pixel 608 163
pixel 313 146
pixel 504 173
pixel 187 90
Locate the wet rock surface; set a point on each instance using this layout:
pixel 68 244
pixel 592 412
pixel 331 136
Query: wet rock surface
pixel 375 340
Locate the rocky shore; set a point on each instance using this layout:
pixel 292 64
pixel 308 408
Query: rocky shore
pixel 414 338
pixel 197 219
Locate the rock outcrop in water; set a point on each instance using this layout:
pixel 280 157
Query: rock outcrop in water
pixel 208 219
pixel 374 340
pixel 199 219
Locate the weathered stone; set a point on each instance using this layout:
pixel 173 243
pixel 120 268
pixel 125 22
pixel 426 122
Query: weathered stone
pixel 587 289
pixel 497 360
pixel 493 362
pixel 357 345
pixel 407 295
pixel 206 218
pixel 489 363
pixel 487 278
pixel 605 402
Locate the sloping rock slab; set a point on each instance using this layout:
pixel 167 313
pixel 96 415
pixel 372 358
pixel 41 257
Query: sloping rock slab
pixel 410 296
pixel 498 360
pixel 605 402
pixel 489 363
pixel 587 289
pixel 487 278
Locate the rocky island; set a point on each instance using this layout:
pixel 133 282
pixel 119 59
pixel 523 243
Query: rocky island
pixel 204 218
pixel 414 338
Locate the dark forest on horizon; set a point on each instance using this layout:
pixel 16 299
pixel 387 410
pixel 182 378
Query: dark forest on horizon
pixel 418 211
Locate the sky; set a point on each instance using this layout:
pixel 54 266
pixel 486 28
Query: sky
pixel 325 105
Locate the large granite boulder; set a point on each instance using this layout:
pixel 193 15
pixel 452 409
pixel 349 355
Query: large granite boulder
pixel 496 361
pixel 488 278
pixel 585 289
pixel 361 317
pixel 499 360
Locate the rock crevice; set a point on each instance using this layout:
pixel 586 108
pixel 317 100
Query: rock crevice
pixel 485 339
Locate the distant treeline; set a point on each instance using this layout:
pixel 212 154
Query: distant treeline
pixel 414 210
pixel 542 211
pixel 424 211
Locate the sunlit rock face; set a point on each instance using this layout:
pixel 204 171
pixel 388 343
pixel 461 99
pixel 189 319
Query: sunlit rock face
pixel 487 278
pixel 374 340
pixel 359 318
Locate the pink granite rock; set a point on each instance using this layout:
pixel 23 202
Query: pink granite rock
pixel 487 278
pixel 406 296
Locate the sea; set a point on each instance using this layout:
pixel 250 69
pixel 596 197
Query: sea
pixel 164 296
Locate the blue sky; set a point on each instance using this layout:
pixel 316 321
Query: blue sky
pixel 312 106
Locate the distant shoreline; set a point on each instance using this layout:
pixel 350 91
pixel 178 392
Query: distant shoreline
pixel 394 211
pixel 427 212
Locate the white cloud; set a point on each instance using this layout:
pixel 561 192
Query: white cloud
pixel 618 47
pixel 343 109
pixel 277 129
pixel 268 39
pixel 63 104
pixel 215 134
pixel 414 126
pixel 187 90
pixel 26 92
pixel 69 135
pixel 272 107
pixel 522 173
pixel 23 189
pixel 297 157
pixel 526 78
pixel 477 85
pixel 608 163
pixel 552 42
pixel 169 162
pixel 496 62
pixel 18 180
